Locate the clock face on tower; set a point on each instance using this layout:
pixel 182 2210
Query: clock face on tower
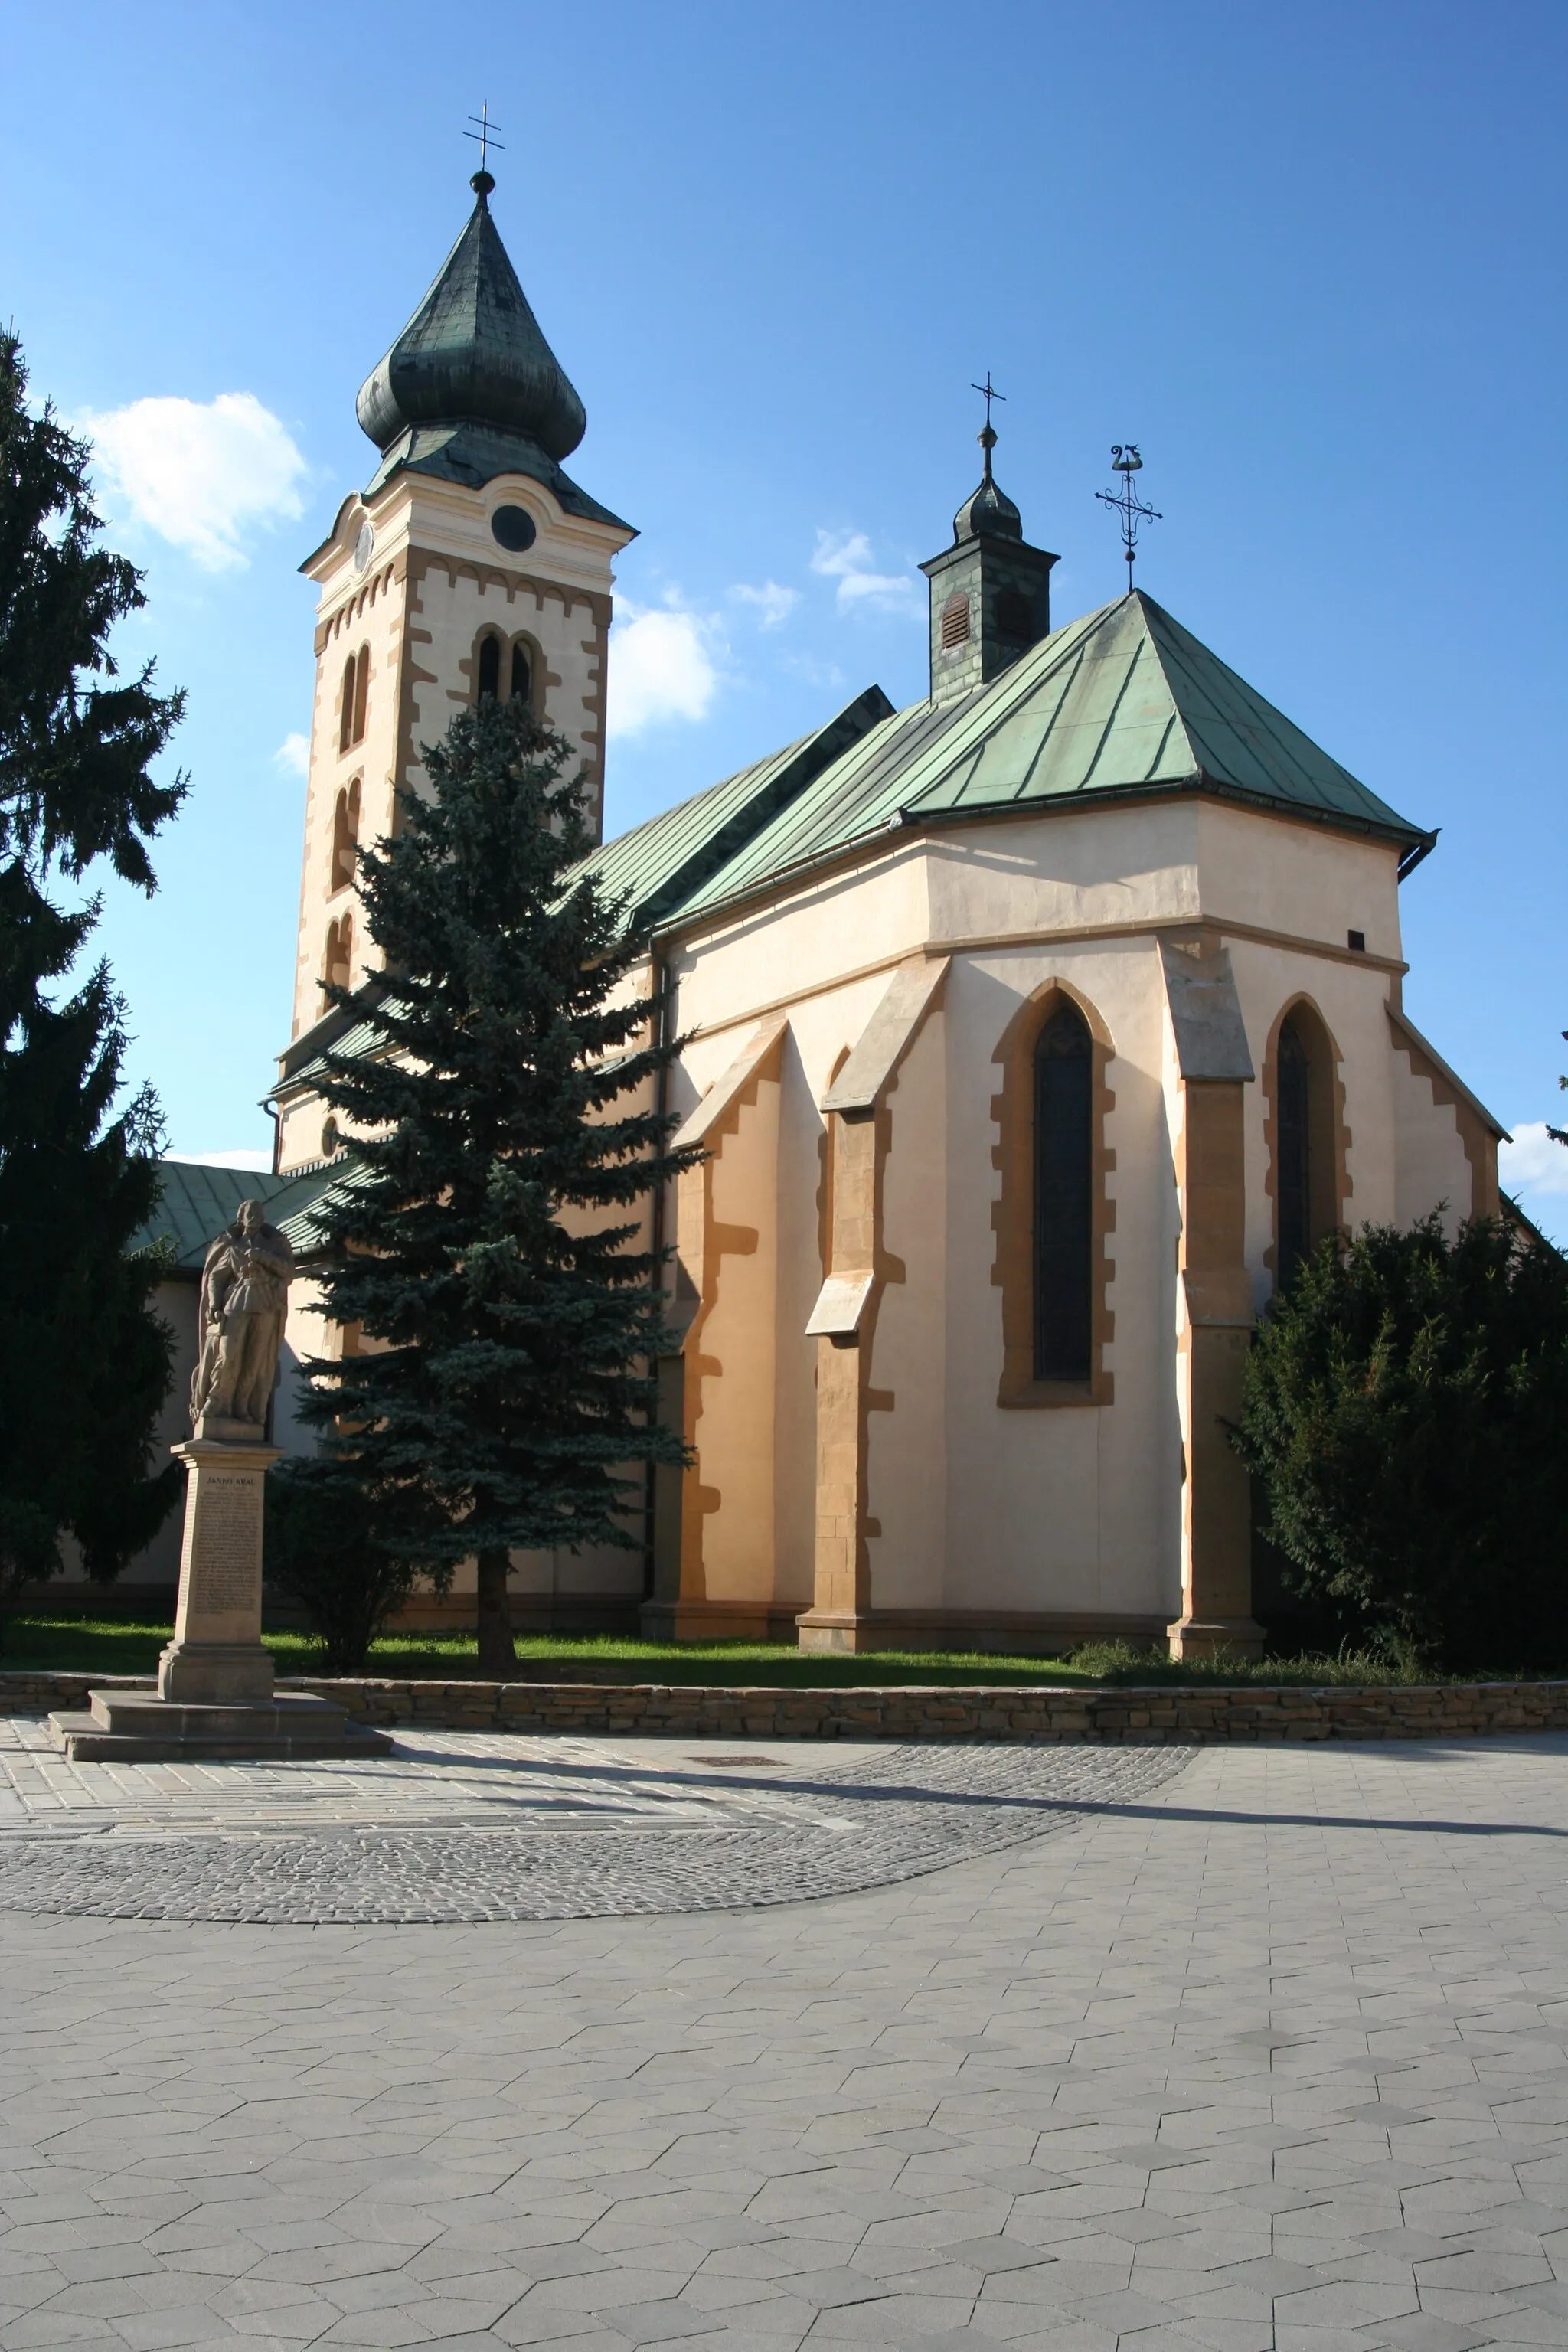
pixel 513 528
pixel 363 545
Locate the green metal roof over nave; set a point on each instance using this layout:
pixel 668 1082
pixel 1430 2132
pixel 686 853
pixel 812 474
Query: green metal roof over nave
pixel 1123 701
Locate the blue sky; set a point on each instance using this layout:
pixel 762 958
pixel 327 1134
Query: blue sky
pixel 1311 259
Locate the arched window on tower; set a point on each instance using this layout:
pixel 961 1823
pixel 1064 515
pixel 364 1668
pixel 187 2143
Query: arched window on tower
pixel 522 674
pixel 490 668
pixel 361 693
pixel 346 719
pixel 1064 1184
pixel 338 960
pixel 345 837
pixel 955 620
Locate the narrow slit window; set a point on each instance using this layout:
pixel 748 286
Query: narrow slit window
pixel 490 668
pixel 1064 1193
pixel 346 722
pixel 521 675
pixel 361 693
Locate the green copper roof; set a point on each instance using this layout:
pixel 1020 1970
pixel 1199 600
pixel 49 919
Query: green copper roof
pixel 474 348
pixel 1124 700
pixel 656 867
pixel 199 1200
pixel 471 389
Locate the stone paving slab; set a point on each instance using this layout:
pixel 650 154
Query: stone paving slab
pixel 1272 2058
pixel 459 1826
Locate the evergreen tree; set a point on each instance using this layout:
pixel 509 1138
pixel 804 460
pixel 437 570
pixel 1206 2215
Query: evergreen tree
pixel 84 1366
pixel 1405 1405
pixel 485 1238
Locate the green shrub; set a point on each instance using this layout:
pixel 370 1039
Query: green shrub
pixel 1406 1410
pixel 320 1549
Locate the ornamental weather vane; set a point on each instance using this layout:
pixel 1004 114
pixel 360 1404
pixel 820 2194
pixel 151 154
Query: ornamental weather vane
pixel 486 136
pixel 1129 508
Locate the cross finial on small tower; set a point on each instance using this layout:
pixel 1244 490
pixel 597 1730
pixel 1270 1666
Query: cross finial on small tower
pixel 483 180
pixel 1126 461
pixel 987 436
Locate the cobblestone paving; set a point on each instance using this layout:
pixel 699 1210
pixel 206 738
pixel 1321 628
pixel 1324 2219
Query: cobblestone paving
pixel 492 1827
pixel 1271 2058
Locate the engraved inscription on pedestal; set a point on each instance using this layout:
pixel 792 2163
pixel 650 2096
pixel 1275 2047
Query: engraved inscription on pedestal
pixel 227 1563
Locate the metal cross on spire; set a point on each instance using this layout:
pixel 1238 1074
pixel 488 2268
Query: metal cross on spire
pixel 1129 508
pixel 987 436
pixel 485 134
pixel 989 393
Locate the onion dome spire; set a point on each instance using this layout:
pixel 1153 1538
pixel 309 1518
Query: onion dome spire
pixel 473 353
pixel 988 512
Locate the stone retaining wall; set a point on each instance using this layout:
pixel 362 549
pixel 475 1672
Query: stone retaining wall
pixel 698 1711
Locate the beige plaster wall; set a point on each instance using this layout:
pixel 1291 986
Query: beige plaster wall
pixel 436 578
pixel 1069 1507
pixel 911 1370
pixel 1433 1169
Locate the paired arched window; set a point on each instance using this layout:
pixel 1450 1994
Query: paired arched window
pixel 503 667
pixel 345 836
pixel 356 697
pixel 1064 1196
pixel 338 960
pixel 1307 1163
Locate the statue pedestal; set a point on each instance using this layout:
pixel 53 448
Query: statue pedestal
pixel 216 1655
pixel 214 1697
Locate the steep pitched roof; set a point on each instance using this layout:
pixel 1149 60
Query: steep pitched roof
pixel 1122 701
pixel 658 865
pixel 199 1200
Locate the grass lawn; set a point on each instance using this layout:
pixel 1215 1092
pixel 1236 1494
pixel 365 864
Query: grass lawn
pixel 110 1646
pixel 107 1646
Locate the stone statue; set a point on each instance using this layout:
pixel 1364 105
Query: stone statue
pixel 244 1295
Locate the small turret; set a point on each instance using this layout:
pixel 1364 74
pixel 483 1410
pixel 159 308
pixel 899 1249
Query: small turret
pixel 990 591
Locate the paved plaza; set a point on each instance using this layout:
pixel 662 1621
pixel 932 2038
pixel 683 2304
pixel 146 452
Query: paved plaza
pixel 1230 2048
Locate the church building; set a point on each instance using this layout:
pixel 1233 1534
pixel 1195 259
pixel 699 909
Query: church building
pixel 1035 1031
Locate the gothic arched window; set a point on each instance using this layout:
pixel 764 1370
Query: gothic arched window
pixel 345 837
pixel 1308 1173
pixel 1293 1154
pixel 1064 1190
pixel 490 668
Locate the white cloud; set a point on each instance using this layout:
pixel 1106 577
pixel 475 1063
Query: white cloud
pixel 257 1163
pixel 200 473
pixel 772 603
pixel 845 556
pixel 292 757
pixel 660 668
pixel 1532 1162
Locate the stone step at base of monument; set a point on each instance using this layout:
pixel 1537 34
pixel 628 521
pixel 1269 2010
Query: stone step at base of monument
pixel 135 1726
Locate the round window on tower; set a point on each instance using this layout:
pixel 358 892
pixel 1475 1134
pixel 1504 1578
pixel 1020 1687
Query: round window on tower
pixel 513 528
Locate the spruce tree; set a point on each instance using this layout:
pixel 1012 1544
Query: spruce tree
pixel 484 1236
pixel 84 1365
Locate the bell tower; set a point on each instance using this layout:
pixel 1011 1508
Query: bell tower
pixel 990 591
pixel 470 564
